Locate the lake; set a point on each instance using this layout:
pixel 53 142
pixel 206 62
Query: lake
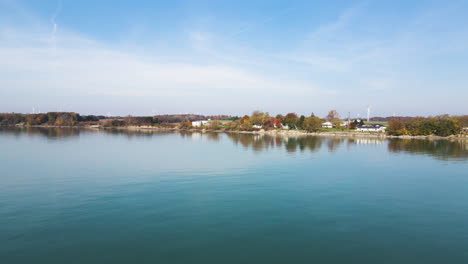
pixel 106 196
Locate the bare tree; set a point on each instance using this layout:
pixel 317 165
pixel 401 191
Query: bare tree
pixel 333 114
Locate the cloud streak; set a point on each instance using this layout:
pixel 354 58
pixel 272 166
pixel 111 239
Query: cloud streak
pixel 53 20
pixel 346 64
pixel 81 68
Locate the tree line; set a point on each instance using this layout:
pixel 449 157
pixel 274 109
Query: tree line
pixel 443 125
pixel 50 118
pixel 75 119
pixel 264 121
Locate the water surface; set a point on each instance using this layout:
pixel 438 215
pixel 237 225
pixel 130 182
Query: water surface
pixel 85 196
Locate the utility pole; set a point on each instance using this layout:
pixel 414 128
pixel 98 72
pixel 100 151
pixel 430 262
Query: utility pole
pixel 349 118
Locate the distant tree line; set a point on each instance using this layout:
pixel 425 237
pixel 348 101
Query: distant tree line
pixel 74 119
pixel 50 118
pixel 191 117
pixel 388 118
pixel 443 125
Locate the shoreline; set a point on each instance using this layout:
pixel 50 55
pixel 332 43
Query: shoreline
pixel 295 133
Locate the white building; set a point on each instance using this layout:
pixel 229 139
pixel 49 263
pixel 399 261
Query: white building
pixel 257 126
pixel 345 123
pixel 200 123
pixel 327 125
pixel 371 128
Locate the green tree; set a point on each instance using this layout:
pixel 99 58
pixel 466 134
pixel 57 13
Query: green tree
pixel 186 125
pixel 259 118
pixel 41 119
pixel 447 127
pixel 396 127
pixel 51 116
pixel 300 123
pixel 215 124
pixel 246 125
pixel 234 125
pixel 312 124
pixel 462 120
pixel 336 122
pixel 280 117
pixel 291 120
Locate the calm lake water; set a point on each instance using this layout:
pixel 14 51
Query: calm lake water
pixel 83 196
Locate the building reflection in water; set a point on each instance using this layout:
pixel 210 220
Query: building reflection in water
pixel 368 141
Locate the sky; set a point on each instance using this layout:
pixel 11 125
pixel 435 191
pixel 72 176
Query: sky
pixel 234 57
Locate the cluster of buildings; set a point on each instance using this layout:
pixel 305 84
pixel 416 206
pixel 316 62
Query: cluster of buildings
pixel 361 128
pixel 200 123
pixel 371 128
pixel 329 124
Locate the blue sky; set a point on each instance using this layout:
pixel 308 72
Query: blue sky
pixel 233 57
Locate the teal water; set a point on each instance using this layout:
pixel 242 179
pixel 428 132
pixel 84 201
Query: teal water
pixel 83 196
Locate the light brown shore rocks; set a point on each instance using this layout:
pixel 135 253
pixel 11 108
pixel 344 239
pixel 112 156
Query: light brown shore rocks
pixel 297 133
pixel 275 132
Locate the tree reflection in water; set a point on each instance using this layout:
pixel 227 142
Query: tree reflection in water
pixel 443 149
pixel 440 149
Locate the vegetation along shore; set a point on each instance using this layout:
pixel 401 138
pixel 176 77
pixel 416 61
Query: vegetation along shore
pixel 443 126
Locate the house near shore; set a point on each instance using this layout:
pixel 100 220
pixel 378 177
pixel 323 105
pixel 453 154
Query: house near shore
pixel 371 128
pixel 327 125
pixel 257 126
pixel 200 123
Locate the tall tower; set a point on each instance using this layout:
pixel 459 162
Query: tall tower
pixel 368 113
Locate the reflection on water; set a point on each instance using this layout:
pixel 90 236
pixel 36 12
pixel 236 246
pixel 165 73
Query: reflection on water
pixel 49 133
pixel 264 142
pixel 112 196
pixel 439 149
pixel 366 141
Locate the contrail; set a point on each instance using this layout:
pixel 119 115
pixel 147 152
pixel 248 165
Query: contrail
pixel 54 23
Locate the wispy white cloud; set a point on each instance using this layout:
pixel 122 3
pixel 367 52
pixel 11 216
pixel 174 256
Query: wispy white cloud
pixel 334 27
pixel 81 67
pixel 334 65
pixel 377 59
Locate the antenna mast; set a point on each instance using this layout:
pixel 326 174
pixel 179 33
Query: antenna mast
pixel 368 113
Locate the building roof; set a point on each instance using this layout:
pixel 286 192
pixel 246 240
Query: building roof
pixel 371 126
